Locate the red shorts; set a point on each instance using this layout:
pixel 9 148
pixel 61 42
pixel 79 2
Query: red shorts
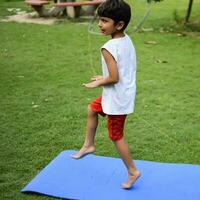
pixel 115 123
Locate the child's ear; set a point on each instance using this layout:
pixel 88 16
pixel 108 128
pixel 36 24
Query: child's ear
pixel 120 25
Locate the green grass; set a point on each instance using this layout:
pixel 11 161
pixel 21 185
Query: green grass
pixel 43 105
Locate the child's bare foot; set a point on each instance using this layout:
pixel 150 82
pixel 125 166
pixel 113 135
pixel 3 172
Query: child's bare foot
pixel 132 177
pixel 83 151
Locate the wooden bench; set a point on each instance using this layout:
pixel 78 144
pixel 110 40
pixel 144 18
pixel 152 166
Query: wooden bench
pixel 37 5
pixel 36 2
pixel 78 4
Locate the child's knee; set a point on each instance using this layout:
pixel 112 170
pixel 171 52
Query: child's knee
pixel 90 111
pixel 89 108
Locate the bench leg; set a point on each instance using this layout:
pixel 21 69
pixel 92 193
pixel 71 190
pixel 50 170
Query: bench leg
pixel 73 12
pixel 77 11
pixel 39 9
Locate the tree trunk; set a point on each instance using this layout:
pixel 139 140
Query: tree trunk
pixel 188 11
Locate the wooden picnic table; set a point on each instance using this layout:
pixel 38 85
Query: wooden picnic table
pixel 38 5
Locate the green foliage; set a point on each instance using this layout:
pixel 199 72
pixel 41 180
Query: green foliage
pixel 177 17
pixel 149 1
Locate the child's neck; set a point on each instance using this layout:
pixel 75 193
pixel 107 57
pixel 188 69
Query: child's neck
pixel 117 34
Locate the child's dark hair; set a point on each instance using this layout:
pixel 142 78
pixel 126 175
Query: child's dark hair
pixel 117 10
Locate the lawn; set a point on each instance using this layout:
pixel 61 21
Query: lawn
pixel 43 104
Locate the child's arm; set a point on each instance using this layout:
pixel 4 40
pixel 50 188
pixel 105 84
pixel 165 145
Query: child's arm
pixel 112 69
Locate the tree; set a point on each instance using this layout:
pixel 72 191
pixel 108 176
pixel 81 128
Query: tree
pixel 189 10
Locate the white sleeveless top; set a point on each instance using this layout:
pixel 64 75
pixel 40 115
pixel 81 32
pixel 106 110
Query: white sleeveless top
pixel 118 99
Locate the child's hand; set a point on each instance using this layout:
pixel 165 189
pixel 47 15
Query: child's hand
pixel 91 85
pixel 95 82
pixel 96 78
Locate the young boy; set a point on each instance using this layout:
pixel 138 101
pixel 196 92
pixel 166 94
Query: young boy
pixel 118 82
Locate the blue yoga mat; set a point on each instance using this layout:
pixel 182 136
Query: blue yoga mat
pixel 99 178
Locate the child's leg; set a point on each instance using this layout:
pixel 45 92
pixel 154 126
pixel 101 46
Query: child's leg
pixel 116 129
pixel 133 173
pixel 88 146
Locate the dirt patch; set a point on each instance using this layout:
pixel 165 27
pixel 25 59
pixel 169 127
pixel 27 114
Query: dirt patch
pixel 24 17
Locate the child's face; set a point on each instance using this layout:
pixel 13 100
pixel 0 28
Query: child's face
pixel 107 26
